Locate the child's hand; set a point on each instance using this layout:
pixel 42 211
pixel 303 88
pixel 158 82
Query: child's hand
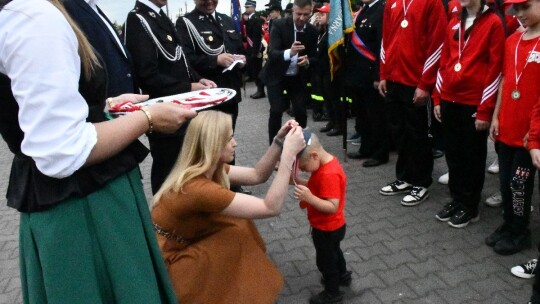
pixel 302 193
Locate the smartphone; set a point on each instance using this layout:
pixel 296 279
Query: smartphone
pixel 301 37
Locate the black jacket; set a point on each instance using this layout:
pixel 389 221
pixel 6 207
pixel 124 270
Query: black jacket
pixel 255 34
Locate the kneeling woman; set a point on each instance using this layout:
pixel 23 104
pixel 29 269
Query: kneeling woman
pixel 212 249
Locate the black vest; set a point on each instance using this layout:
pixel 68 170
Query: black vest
pixel 29 190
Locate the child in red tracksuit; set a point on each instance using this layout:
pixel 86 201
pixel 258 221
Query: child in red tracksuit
pixel 324 197
pixel 511 122
pixel 467 83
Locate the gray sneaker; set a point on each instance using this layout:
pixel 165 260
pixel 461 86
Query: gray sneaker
pixel 495 200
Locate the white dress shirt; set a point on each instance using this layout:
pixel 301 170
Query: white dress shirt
pixel 38 52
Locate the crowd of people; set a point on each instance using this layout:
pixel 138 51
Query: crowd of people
pixel 459 72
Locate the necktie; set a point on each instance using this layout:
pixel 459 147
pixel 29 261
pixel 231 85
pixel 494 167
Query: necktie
pixel 213 20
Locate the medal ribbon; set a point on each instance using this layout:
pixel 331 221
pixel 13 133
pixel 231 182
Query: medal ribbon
pixel 405 9
pixel 460 50
pixel 526 60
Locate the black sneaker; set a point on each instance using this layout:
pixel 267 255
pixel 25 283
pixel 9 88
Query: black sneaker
pixel 395 188
pixel 344 280
pixel 325 297
pixel 448 211
pixel 513 244
pixel 462 218
pixel 526 270
pixel 499 234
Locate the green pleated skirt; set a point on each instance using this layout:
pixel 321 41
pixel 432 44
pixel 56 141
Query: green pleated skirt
pixel 97 249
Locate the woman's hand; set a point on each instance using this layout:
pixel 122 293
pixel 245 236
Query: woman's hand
pixel 294 142
pixel 437 113
pixel 134 98
pixel 168 117
pixel 494 129
pixel 382 88
pixel 481 125
pixel 535 155
pixel 285 129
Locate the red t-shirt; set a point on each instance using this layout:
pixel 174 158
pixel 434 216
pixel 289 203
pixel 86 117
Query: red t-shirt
pixel 515 114
pixel 329 181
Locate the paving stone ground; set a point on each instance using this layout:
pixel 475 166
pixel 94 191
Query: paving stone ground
pixel 397 254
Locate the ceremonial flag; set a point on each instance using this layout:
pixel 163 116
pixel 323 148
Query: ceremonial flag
pixel 340 24
pixel 235 14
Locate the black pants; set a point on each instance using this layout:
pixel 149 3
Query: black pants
pixel 415 159
pixel 254 66
pixel 466 153
pixel 331 94
pixel 298 96
pixel 370 121
pixel 330 260
pixel 516 174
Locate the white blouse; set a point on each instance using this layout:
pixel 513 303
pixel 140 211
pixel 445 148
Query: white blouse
pixel 38 52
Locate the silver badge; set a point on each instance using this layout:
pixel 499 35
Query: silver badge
pixel 152 14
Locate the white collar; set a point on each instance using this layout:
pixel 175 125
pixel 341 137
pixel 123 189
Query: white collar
pixel 92 3
pixel 372 3
pixel 151 5
pixel 249 17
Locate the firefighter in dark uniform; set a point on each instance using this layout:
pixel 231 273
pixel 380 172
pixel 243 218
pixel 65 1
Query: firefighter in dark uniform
pixel 254 36
pixel 161 69
pixel 363 56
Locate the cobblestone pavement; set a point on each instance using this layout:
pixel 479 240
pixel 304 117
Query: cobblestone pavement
pixel 397 254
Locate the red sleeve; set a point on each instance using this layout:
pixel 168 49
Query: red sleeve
pixel 436 23
pixel 494 73
pixel 534 131
pixel 445 56
pixel 383 75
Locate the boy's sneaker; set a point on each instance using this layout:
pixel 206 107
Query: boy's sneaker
pixel 462 218
pixel 495 200
pixel 526 270
pixel 325 297
pixel 395 188
pixel 494 167
pixel 448 211
pixel 417 195
pixel 443 180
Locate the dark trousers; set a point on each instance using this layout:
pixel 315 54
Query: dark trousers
pixel 165 149
pixel 516 174
pixel 254 66
pixel 331 94
pixel 329 257
pixel 465 153
pixel 370 121
pixel 298 96
pixel 415 159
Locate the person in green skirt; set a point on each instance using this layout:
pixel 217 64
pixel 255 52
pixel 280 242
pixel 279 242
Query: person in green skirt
pixel 85 230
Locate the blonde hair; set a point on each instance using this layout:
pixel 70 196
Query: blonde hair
pixel 89 59
pixel 206 137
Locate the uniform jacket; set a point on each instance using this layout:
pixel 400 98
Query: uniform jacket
pixel 481 60
pixel 368 27
pixel 410 55
pixel 156 75
pixel 254 34
pixel 214 36
pixel 97 32
pixel 281 39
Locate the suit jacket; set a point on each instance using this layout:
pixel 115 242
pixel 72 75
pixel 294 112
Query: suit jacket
pixel 255 33
pixel 156 75
pixel 281 39
pixel 214 36
pixel 368 26
pixel 118 66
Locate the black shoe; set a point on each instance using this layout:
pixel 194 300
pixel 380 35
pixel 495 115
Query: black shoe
pixel 325 297
pixel 326 128
pixel 462 218
pixel 357 155
pixel 499 234
pixel 448 211
pixel 257 95
pixel 437 153
pixel 334 132
pixel 374 162
pixel 513 244
pixel 344 280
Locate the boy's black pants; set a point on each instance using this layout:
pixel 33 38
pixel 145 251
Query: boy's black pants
pixel 329 257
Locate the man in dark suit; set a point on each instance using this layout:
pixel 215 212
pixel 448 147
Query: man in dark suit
pixel 292 49
pixel 212 45
pixel 161 69
pixel 254 35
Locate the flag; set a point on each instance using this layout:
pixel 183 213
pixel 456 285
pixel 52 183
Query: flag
pixel 236 16
pixel 340 24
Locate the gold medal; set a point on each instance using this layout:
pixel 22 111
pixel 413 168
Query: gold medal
pixel 404 23
pixel 516 94
pixel 169 37
pixel 457 67
pixel 210 38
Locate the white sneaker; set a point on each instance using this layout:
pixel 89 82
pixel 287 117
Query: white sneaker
pixel 417 195
pixel 494 167
pixel 443 180
pixel 495 200
pixel 525 271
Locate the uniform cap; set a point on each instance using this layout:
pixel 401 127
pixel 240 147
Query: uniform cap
pixel 250 3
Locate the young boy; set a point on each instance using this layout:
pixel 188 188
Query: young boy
pixel 324 197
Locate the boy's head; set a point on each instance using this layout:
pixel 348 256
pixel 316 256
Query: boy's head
pixel 527 11
pixel 313 156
